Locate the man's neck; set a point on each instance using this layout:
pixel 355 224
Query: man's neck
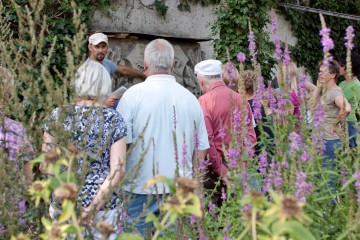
pixel 94 59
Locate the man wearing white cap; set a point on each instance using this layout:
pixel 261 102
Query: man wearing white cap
pixel 219 103
pixel 98 46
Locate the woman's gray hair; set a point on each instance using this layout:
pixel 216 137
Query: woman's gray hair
pixel 92 80
pixel 159 56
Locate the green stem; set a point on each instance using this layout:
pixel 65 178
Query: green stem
pixel 76 224
pixel 244 232
pixel 253 223
pixel 163 221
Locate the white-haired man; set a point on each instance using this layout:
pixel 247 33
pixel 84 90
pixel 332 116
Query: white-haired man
pixel 222 108
pixel 166 128
pixel 98 47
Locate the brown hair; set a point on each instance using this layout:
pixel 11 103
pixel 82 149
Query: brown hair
pixel 250 78
pixel 231 79
pixel 333 67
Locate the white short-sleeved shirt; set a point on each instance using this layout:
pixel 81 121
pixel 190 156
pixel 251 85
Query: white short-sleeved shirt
pixel 156 110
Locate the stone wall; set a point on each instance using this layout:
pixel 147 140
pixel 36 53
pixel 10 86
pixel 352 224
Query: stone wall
pixel 131 53
pixel 186 30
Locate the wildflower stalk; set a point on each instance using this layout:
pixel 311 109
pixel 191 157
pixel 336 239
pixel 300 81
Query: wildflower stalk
pixel 253 223
pixel 76 225
pixel 326 41
pixel 349 46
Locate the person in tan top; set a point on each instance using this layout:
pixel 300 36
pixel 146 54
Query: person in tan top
pixel 336 108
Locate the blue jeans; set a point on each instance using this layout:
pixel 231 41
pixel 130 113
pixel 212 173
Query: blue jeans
pixel 138 207
pixel 352 134
pixel 329 161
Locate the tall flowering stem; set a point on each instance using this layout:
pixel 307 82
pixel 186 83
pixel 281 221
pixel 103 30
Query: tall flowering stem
pixel 356 175
pixel 257 98
pixel 326 41
pixel 252 47
pixel 241 57
pixel 303 188
pixel 278 50
pixel 349 46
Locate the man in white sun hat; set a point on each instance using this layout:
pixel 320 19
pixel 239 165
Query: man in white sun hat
pixel 222 108
pixel 98 46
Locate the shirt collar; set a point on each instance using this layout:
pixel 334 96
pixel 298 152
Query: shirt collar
pixel 161 77
pixel 217 84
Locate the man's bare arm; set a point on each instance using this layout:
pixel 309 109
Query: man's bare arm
pixel 129 72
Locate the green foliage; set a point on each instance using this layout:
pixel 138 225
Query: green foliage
pixel 305 27
pixel 185 4
pixel 232 26
pixel 161 7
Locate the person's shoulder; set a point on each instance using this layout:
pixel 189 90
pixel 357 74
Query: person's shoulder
pixel 11 123
pixel 356 82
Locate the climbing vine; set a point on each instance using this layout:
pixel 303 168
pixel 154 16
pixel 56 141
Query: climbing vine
pixel 58 16
pixel 306 26
pixel 232 27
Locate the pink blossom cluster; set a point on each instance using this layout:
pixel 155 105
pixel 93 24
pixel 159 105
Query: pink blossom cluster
pixel 349 37
pixel 303 188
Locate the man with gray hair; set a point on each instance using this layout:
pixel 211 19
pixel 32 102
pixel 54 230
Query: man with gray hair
pixel 222 108
pixel 166 128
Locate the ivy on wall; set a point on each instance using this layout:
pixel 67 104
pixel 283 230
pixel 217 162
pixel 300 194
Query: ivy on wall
pixel 232 25
pixel 58 15
pixel 306 26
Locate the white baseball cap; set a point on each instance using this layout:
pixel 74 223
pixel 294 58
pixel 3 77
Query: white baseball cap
pixel 208 67
pixel 97 38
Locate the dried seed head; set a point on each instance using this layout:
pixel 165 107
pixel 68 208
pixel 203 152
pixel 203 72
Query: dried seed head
pixel 73 150
pixel 51 157
pixel 187 183
pixel 290 207
pixel 38 187
pixel 55 232
pixel 66 191
pixel 174 201
pixel 105 228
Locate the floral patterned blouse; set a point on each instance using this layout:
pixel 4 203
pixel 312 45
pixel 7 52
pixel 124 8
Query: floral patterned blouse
pixel 93 130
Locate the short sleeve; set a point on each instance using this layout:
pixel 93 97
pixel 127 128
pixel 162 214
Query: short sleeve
pixel 110 66
pixel 202 132
pixel 51 120
pixel 334 94
pixel 119 128
pixel 125 111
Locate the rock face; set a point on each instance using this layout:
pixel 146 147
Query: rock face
pixel 131 53
pixel 182 28
pixel 131 24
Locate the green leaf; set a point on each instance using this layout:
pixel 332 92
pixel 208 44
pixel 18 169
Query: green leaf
pixel 68 209
pixel 151 218
pixel 39 159
pixel 294 229
pixel 46 222
pixel 128 236
pixel 350 181
pixel 343 235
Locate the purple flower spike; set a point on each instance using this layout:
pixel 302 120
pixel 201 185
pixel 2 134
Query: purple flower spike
pixel 326 41
pixel 356 175
pixel 252 47
pixel 241 57
pixel 295 141
pixel 233 154
pixel 349 37
pixel 262 162
pixel 303 188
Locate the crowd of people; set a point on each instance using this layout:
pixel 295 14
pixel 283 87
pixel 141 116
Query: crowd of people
pixel 159 128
